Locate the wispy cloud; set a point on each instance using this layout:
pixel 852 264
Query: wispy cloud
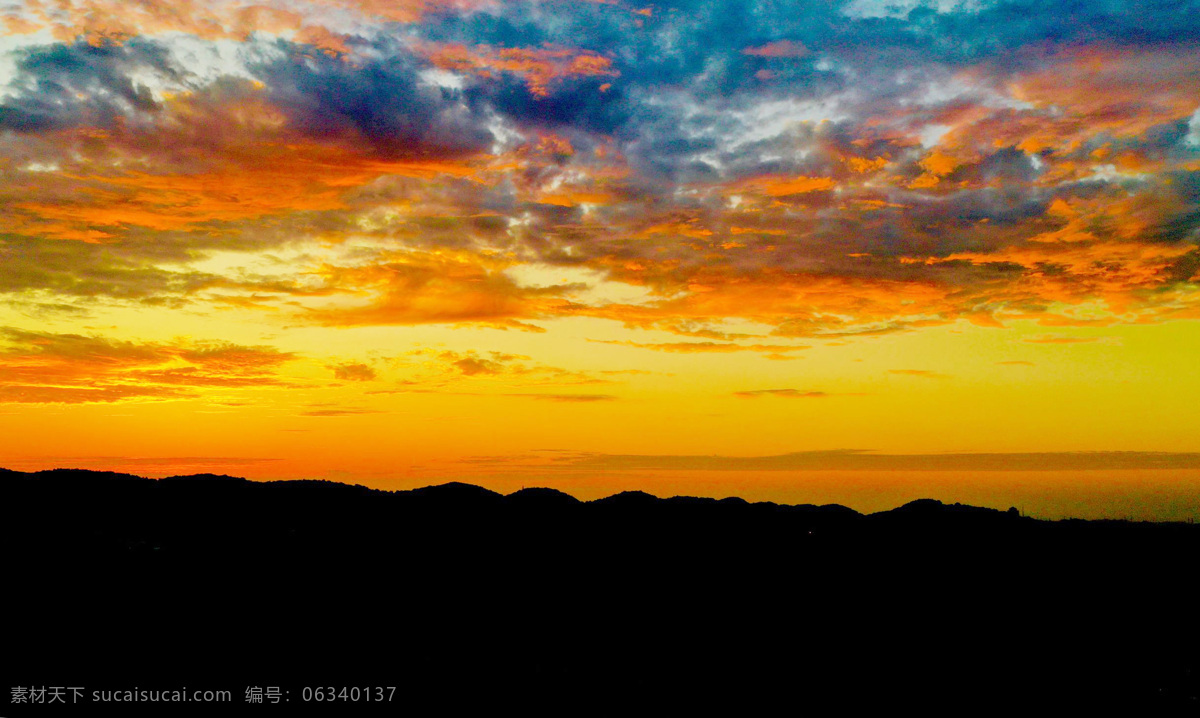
pixel 921 373
pixel 782 393
pixel 710 347
pixel 340 411
pixel 569 398
pixel 55 368
pixel 1061 340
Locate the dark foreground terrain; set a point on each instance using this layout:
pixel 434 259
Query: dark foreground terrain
pixel 463 600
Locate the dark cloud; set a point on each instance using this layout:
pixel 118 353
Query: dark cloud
pixel 379 99
pixel 577 104
pixel 59 86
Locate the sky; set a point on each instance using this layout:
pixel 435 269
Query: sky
pixel 857 252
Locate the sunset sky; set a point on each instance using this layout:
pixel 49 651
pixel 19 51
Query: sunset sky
pixel 857 252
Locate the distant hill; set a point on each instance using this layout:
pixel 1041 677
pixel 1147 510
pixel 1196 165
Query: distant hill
pixel 202 477
pixel 541 498
pixel 539 600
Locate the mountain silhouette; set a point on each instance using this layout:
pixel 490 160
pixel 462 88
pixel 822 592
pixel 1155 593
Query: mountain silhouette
pixel 462 597
pixel 541 498
pixel 203 477
pixel 458 494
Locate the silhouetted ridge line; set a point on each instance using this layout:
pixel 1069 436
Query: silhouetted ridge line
pixel 628 499
pixel 203 477
pixel 542 497
pixel 933 507
pixel 451 491
pixel 469 494
pixel 457 490
pixel 81 474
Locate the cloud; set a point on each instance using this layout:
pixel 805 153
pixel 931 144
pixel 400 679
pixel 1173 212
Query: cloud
pixel 12 393
pixel 437 288
pixel 321 23
pixel 256 164
pixel 471 366
pixel 782 393
pixel 228 358
pixel 766 168
pixel 708 347
pixel 445 370
pixel 569 398
pixel 539 67
pixel 379 100
pixel 59 86
pixel 50 368
pixel 342 411
pixel 779 48
pixel 923 373
pixel 1061 340
pixel 354 372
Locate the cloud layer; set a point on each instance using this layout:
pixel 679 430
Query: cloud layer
pixel 728 163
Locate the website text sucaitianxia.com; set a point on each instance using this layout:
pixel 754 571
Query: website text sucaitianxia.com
pixel 73 695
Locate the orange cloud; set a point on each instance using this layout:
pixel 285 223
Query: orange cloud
pixel 1079 95
pixel 786 186
pixel 795 303
pixel 1060 340
pixel 709 347
pixel 39 367
pixel 1121 92
pixel 782 393
pixel 688 228
pixel 922 373
pixel 779 48
pixel 323 23
pixel 435 288
pixel 254 167
pixel 569 398
pixel 339 411
pixel 541 67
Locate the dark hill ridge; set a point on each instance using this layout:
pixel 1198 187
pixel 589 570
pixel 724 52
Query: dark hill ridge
pixel 456 492
pixel 203 477
pixel 449 492
pixel 470 494
pixel 545 498
pixel 97 513
pixel 569 607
